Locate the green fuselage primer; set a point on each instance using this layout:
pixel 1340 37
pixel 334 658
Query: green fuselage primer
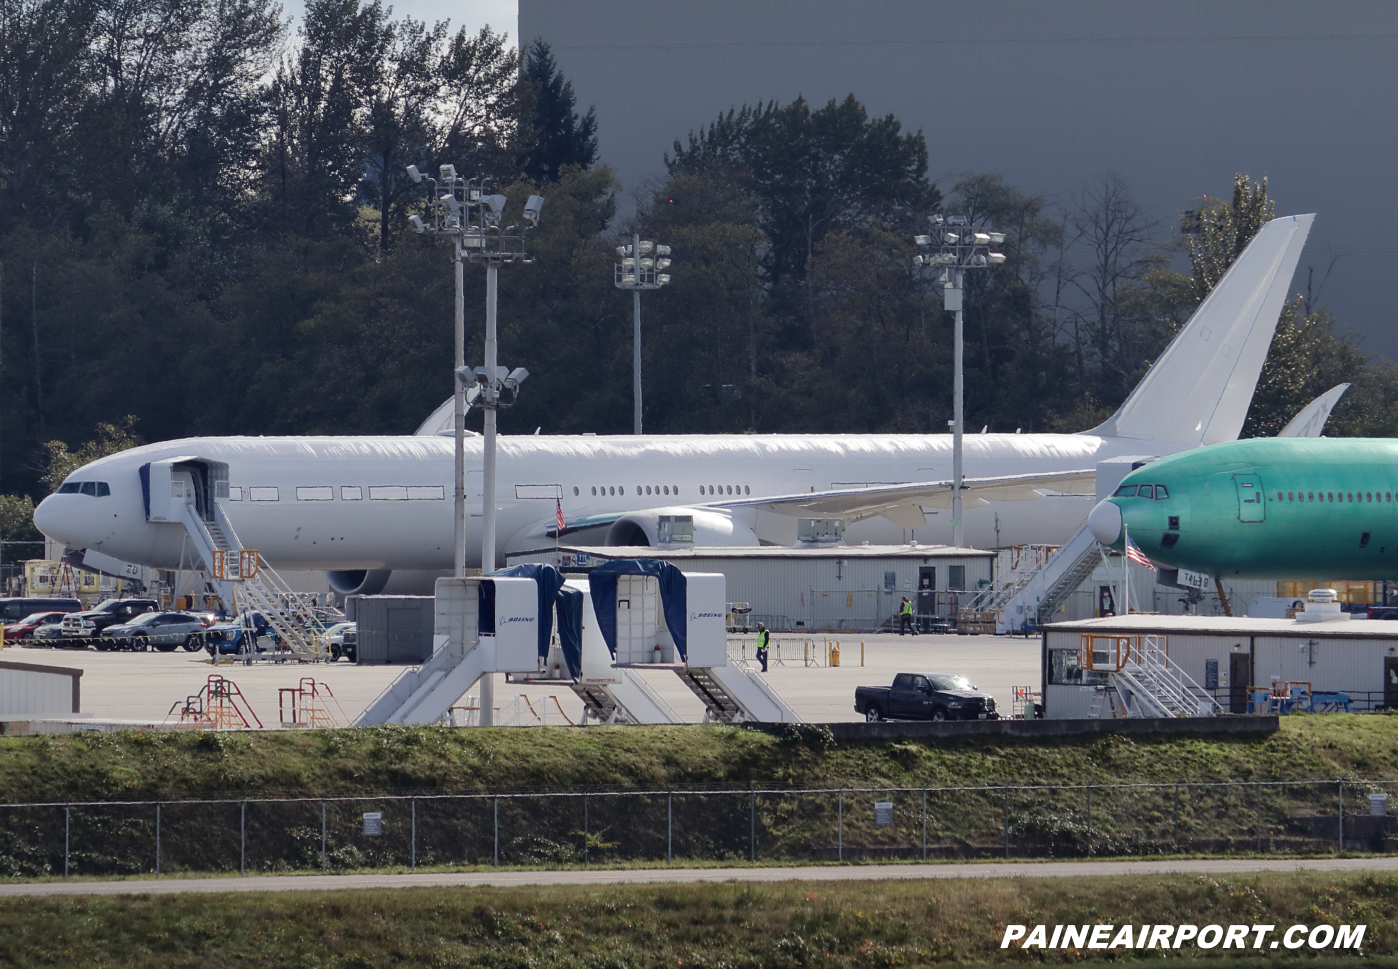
pixel 1271 508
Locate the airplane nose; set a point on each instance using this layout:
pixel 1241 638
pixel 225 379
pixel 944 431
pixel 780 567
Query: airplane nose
pixel 1105 522
pixel 50 520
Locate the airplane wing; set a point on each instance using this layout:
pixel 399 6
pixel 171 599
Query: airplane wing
pixel 902 504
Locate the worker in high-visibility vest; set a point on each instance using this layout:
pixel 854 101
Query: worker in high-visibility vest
pixel 905 616
pixel 763 638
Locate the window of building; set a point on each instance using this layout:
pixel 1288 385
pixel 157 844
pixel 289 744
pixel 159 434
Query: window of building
pixel 262 494
pixel 1065 671
pixel 315 493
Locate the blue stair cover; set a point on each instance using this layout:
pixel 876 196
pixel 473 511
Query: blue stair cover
pixel 602 581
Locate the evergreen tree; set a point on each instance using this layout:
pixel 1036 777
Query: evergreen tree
pixel 562 136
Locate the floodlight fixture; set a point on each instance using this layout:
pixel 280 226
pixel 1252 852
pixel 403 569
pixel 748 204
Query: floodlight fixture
pixel 663 278
pixel 414 174
pixel 959 220
pixel 533 208
pixel 662 250
pixel 995 258
pixel 623 250
pixel 495 203
pixel 923 240
pixel 997 238
pixel 516 377
pixel 980 238
pixel 951 238
pixel 937 219
pixel 447 171
pixel 418 226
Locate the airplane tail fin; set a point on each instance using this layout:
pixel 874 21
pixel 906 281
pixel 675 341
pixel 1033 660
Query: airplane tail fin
pixel 1310 420
pixel 1199 390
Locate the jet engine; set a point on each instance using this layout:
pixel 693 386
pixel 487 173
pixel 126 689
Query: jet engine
pixel 699 526
pixel 372 582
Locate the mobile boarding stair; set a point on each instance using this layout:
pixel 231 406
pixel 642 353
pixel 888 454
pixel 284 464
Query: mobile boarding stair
pixel 1035 597
pixel 1141 680
pixel 653 616
pixel 503 623
pixel 196 491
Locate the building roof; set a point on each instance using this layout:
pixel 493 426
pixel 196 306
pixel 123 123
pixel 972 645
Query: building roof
pixel 1230 626
pixel 765 552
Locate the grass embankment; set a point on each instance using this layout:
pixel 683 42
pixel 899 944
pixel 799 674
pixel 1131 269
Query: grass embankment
pixel 433 759
pixel 862 924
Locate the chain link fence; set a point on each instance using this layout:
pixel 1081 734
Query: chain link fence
pixel 86 838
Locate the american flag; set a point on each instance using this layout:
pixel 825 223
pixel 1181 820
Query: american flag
pixel 1136 555
pixel 558 514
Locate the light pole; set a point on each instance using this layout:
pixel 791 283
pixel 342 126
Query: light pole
pixel 953 247
pixel 459 208
pixel 641 267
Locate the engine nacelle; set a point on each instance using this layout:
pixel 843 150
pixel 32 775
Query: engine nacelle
pixel 373 582
pixel 710 527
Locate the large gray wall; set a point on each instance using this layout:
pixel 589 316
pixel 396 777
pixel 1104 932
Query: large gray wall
pixel 1175 95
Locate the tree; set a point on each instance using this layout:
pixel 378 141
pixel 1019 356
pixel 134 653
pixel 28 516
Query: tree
pixel 811 173
pixel 1217 232
pixel 562 137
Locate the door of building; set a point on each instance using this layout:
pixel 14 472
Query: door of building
pixel 1390 682
pixel 1239 676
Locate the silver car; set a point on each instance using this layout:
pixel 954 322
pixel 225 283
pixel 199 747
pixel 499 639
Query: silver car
pixel 166 631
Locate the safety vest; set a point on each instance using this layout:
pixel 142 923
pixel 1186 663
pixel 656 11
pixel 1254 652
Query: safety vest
pixel 907 609
pixel 762 638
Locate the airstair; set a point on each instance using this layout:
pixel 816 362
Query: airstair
pixel 1141 680
pixel 246 583
pixel 665 619
pixel 1037 596
pixel 627 700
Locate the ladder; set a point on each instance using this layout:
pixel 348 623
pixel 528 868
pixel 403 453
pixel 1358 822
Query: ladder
pixel 1151 687
pixel 719 706
pixel 264 591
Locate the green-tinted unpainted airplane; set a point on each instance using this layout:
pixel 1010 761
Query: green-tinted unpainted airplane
pixel 1265 508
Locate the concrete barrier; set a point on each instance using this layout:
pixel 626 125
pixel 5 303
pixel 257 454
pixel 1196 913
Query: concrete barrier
pixel 1250 726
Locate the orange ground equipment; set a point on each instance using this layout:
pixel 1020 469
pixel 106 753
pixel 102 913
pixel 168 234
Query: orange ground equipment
pixel 219 705
pixel 310 704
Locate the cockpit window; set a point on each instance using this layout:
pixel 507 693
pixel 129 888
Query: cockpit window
pixel 1147 491
pixel 94 489
pixel 1161 492
pixel 1125 491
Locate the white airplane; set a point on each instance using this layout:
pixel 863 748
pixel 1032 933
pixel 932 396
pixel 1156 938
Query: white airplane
pixel 376 513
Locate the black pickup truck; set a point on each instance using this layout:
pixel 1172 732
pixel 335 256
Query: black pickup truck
pixel 924 696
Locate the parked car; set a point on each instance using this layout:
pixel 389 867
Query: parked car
pixel 16 608
pixel 925 696
pixel 1383 612
pixel 88 625
pixel 230 638
pixel 344 641
pixel 50 635
pixel 166 631
pixel 24 629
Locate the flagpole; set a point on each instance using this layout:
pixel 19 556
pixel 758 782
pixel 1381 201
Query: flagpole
pixel 1125 571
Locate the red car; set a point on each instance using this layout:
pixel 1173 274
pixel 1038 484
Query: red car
pixel 25 627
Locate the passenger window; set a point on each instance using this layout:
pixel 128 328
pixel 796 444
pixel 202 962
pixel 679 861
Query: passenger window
pixel 1125 491
pixel 575 490
pixel 667 489
pixel 747 490
pixel 351 493
pixel 647 489
pixel 594 491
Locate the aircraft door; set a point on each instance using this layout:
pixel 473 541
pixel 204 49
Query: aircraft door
pixel 1252 505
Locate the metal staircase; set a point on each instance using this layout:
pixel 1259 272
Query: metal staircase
pixel 1149 686
pixel 731 694
pixel 627 700
pixel 719 707
pixel 1039 594
pixel 289 613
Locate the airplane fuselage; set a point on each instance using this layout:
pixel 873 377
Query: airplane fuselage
pixel 1269 508
pixel 345 503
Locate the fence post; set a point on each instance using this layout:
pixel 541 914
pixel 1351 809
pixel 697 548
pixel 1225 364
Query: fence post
pixel 1342 817
pixel 670 828
pixel 1259 816
pixel 323 863
pixel 1007 822
pixel 243 839
pixel 157 839
pixel 586 846
pixel 497 831
pixel 753 839
pixel 413 856
pixel 1175 836
pixel 1089 820
pixel 842 825
pixel 67 826
pixel 924 824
